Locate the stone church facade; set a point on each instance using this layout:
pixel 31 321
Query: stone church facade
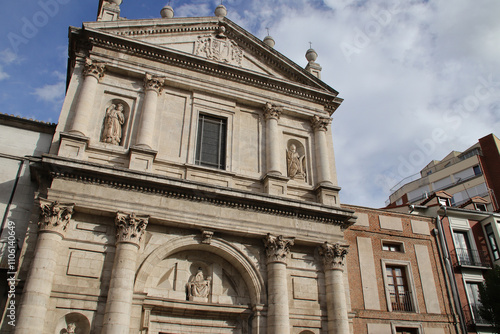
pixel 190 188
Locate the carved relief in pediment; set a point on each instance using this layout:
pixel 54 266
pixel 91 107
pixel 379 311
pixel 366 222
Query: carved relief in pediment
pixel 219 48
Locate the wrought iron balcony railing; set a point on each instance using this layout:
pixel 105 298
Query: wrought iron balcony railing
pixel 471 258
pixel 402 301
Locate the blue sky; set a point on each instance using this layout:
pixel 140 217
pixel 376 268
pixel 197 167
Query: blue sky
pixel 419 78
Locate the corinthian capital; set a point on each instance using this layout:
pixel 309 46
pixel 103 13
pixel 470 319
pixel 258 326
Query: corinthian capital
pixel 333 255
pixel 54 216
pixel 277 248
pixel 320 123
pixel 272 111
pixel 94 69
pixel 130 227
pixel 153 83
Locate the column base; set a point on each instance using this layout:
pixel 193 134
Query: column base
pixel 327 194
pixel 72 145
pixel 275 184
pixel 141 159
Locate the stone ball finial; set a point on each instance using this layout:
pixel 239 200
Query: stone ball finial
pixel 220 11
pixel 167 12
pixel 311 55
pixel 269 41
pixel 115 2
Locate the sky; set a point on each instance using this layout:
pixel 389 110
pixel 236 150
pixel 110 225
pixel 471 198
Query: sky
pixel 419 78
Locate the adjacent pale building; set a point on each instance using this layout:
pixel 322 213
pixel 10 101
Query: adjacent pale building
pixel 463 175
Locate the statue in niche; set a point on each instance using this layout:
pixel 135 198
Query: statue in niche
pixel 113 124
pixel 71 329
pixel 198 286
pixel 295 164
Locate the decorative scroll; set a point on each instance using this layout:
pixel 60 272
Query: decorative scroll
pixel 94 69
pixel 320 123
pixel 130 227
pixel 54 216
pixel 333 255
pixel 277 248
pixel 272 111
pixel 219 48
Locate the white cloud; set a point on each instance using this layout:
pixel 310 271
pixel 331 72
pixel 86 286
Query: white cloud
pixel 3 75
pixel 51 93
pixel 8 57
pixel 415 73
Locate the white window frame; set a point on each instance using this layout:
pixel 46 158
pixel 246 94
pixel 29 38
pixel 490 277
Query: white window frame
pixel 410 282
pixel 395 242
pixel 415 325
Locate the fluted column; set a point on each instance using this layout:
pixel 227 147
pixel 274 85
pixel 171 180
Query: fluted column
pixel 129 231
pixel 93 72
pixel 320 127
pixel 153 86
pixel 277 250
pixel 272 114
pixel 333 260
pixel 54 219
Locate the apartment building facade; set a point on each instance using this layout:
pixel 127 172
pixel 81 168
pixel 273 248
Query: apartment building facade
pixel 464 175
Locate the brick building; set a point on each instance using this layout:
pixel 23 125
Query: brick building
pixel 397 284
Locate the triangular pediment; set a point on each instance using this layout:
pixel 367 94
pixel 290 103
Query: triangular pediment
pixel 215 40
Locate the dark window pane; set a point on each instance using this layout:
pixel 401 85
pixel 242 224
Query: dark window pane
pixel 211 143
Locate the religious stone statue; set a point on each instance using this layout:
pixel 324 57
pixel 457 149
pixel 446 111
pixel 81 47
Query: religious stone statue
pixel 71 328
pixel 113 124
pixel 295 164
pixel 198 286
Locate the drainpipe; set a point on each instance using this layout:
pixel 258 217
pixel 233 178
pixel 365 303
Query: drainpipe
pixel 450 282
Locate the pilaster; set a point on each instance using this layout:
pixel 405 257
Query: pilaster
pixel 52 225
pixel 92 74
pixel 152 88
pixel 272 114
pixel 277 250
pixel 333 256
pixel 129 231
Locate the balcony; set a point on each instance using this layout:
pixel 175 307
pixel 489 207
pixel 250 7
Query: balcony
pixel 401 301
pixel 465 257
pixel 473 317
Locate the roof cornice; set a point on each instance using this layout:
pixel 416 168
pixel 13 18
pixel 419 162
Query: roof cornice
pixel 323 95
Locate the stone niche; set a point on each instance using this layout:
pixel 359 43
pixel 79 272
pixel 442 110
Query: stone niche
pixel 115 117
pixel 200 277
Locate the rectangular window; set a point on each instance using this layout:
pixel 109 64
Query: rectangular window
pixel 474 303
pixel 399 293
pixel 405 330
pixel 392 246
pixel 211 142
pixel 493 243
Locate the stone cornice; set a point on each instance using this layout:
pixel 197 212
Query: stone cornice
pixel 130 180
pixel 138 48
pixel 132 28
